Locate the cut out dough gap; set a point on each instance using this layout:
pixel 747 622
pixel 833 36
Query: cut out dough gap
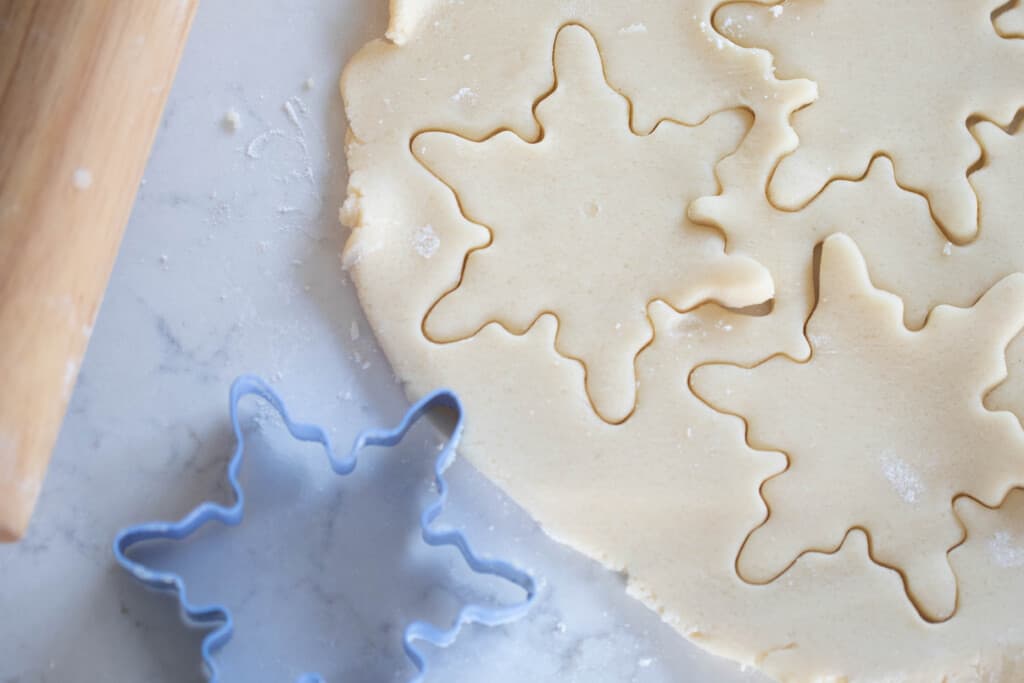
pixel 1016 31
pixel 1010 129
pixel 863 174
pixel 838 547
pixel 756 311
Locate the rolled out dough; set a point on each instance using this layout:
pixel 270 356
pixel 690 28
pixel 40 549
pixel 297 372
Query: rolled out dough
pixel 449 127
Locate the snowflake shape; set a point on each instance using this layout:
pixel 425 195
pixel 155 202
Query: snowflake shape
pixel 589 223
pixel 883 427
pixel 899 79
pixel 218 617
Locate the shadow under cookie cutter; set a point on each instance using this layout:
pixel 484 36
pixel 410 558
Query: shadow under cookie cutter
pixel 218 617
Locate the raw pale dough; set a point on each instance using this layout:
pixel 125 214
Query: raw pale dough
pixel 876 437
pixel 670 495
pixel 894 78
pixel 558 206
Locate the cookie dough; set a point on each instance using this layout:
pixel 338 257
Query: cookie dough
pixel 898 79
pixel 552 209
pixel 670 495
pixel 877 437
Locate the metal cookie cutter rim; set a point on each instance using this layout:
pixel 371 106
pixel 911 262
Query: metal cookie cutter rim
pixel 219 616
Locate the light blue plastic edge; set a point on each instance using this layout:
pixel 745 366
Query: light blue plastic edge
pixel 218 616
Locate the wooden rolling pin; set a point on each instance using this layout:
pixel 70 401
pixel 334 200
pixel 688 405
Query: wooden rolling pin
pixel 82 88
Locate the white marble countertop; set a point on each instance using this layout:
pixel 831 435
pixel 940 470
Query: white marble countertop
pixel 230 265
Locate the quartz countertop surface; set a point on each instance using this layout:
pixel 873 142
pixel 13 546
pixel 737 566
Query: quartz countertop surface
pixel 230 265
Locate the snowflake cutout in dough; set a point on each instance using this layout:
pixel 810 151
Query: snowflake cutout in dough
pixel 557 207
pixel 883 427
pixel 894 78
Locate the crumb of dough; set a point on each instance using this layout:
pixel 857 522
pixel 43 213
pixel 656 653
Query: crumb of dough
pixel 232 121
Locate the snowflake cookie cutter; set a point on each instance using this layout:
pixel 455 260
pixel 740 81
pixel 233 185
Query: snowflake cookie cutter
pixel 218 616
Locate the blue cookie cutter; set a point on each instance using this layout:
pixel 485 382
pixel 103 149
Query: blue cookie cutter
pixel 219 617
